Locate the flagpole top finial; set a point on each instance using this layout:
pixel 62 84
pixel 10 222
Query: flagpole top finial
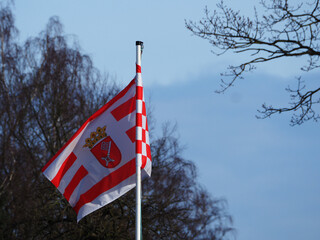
pixel 139 43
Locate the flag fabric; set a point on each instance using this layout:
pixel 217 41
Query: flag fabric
pixel 97 165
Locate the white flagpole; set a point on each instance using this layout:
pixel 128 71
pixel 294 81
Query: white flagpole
pixel 138 156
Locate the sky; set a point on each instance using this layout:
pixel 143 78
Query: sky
pixel 267 170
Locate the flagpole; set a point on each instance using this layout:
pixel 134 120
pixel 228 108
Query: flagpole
pixel 139 45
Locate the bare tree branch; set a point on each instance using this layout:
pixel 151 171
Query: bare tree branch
pixel 283 31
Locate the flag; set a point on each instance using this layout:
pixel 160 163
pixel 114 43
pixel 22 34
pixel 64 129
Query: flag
pixel 97 165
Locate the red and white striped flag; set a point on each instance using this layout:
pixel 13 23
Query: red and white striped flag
pixel 97 165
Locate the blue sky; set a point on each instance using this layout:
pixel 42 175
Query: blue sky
pixel 267 170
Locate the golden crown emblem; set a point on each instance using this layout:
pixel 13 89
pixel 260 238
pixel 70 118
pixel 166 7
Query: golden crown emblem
pixel 95 137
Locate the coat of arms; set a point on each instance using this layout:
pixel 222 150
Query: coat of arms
pixel 103 148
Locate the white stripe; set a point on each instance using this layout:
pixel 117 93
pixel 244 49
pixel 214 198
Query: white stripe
pixel 139 133
pixel 107 197
pixel 54 167
pixel 69 175
pixel 146 171
pixel 139 106
pixel 139 79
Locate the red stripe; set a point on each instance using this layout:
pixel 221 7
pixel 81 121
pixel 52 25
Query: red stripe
pixel 95 115
pixel 138 68
pixel 143 161
pixel 139 120
pixel 144 111
pixel 148 151
pixel 139 93
pixel 124 109
pixel 143 135
pixel 64 168
pixel 80 174
pixel 132 134
pixel 139 146
pixel 108 182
